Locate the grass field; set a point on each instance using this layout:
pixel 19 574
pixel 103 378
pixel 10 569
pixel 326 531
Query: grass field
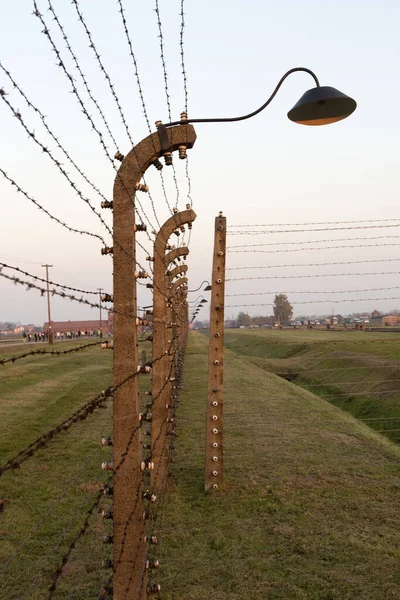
pixel 357 371
pixel 59 484
pixel 310 508
pixel 311 503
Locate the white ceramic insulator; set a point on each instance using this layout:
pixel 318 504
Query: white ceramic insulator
pixel 215 473
pixel 215 403
pixel 215 458
pixel 215 431
pixel 214 418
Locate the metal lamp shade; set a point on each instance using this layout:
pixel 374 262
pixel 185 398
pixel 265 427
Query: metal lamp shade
pixel 203 301
pixel 321 106
pixel 208 288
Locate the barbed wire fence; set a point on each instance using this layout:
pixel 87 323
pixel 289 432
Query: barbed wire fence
pixel 68 525
pixel 358 372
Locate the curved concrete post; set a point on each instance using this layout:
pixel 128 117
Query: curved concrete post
pixel 174 254
pixel 175 285
pixel 177 271
pixel 161 369
pixel 128 503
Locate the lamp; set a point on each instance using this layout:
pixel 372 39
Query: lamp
pixel 318 106
pixel 206 289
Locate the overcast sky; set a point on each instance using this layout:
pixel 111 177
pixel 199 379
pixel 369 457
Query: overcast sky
pixel 263 171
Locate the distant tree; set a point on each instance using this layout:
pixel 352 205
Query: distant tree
pixel 243 319
pixel 283 310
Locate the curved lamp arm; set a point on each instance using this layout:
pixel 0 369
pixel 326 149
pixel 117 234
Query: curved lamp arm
pixel 197 289
pixel 255 112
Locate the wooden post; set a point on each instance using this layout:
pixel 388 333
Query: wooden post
pixel 160 373
pixel 214 461
pixel 129 549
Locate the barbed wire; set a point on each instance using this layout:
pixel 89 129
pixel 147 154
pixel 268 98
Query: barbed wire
pixel 29 285
pixel 124 456
pixel 313 276
pixel 314 292
pixel 166 87
pixel 330 342
pixel 50 132
pixel 141 95
pixel 48 512
pixel 57 164
pixel 65 530
pixel 312 230
pixel 4 361
pixel 311 249
pixel 390 220
pixel 335 301
pixel 164 66
pixel 114 95
pixel 68 75
pixel 36 203
pixel 325 241
pixel 81 74
pixel 102 68
pixel 182 30
pixel 74 541
pixel 326 264
pixel 66 287
pixel 185 89
pixel 79 415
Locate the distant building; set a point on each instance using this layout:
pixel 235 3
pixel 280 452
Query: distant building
pixel 376 314
pixel 107 325
pixel 385 319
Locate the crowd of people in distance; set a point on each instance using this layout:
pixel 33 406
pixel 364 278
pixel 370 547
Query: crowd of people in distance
pixel 43 336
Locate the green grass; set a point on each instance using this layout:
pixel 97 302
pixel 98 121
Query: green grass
pixel 37 393
pixel 357 371
pixel 310 508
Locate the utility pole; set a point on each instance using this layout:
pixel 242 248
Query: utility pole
pixel 214 467
pixel 48 303
pixel 101 323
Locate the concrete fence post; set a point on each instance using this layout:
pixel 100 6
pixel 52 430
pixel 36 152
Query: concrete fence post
pixel 214 458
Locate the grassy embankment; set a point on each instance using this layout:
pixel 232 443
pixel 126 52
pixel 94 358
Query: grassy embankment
pixel 357 371
pixel 310 508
